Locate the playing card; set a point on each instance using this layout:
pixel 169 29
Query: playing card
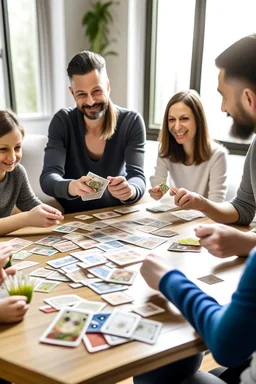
pixel 46 286
pixel 116 340
pixel 18 244
pixel 58 276
pixel 25 264
pixel 93 306
pixel 121 324
pixel 210 279
pixel 43 250
pixel 65 229
pixel 40 272
pixel 184 248
pixel 95 342
pixel 49 240
pixel 103 287
pixel 21 255
pixel 65 246
pixel 85 243
pixel 58 302
pixel 106 215
pixel 47 309
pixel 99 184
pixel 62 261
pixel 67 328
pixel 121 276
pixel 147 331
pixel 165 233
pixel 76 285
pixel 147 309
pixel 164 187
pixel 77 276
pixel 188 215
pixel 189 241
pixel 83 217
pixel 91 260
pixel 110 245
pixel 97 322
pixel 126 210
pixel 125 257
pixel 161 208
pixel 100 271
pixel 117 298
pixel 70 268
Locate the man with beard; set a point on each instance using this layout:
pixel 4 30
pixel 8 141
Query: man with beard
pixel 96 136
pixel 229 330
pixel 237 86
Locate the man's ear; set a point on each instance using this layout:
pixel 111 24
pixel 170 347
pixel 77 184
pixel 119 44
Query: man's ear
pixel 71 91
pixel 249 100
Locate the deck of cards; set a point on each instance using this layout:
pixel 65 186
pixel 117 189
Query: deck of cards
pixel 98 184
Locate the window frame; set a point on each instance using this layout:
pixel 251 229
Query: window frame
pixel 152 130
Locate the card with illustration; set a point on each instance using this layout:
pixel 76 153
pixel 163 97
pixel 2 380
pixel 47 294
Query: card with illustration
pixel 188 215
pixel 177 247
pixel 43 250
pixel 117 298
pixel 147 331
pixel 116 340
pixel 62 261
pixel 94 306
pixel 70 268
pixel 85 243
pixel 161 208
pixel 83 217
pixel 40 272
pixel 65 246
pixel 121 276
pixel 91 260
pixel 97 322
pixel 58 302
pixel 98 183
pixel 164 232
pixel 164 187
pixel 49 240
pixel 25 264
pixel 106 215
pixel 210 279
pixel 68 328
pixel 125 210
pixel 147 309
pixel 121 324
pixel 125 257
pixel 46 286
pixel 58 276
pixel 102 287
pixel 47 309
pixel 95 342
pixel 65 229
pixel 100 271
pixel 21 255
pixel 77 276
pixel 110 245
pixel 18 244
pixel 189 241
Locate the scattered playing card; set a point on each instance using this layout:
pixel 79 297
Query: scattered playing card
pixel 126 210
pixel 103 287
pixel 62 261
pixel 94 306
pixel 76 285
pixel 147 309
pixel 46 286
pixel 210 279
pixel 97 322
pixel 59 302
pixel 67 328
pixel 106 215
pixel 184 248
pixel 83 217
pixel 121 276
pixel 188 215
pixel 164 232
pixel 25 264
pixel 43 250
pixel 18 244
pixel 65 229
pixel 49 240
pixel 98 183
pixel 47 309
pixel 40 272
pixel 161 208
pixel 117 298
pixel 21 255
pixel 95 342
pixel 121 324
pixel 147 331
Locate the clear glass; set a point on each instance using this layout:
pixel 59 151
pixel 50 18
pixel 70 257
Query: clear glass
pixel 174 41
pixel 24 53
pixel 226 22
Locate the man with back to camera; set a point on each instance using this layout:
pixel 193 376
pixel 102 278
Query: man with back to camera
pixel 96 136
pixel 237 86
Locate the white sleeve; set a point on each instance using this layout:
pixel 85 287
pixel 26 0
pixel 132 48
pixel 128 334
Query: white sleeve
pixel 161 172
pixel 218 176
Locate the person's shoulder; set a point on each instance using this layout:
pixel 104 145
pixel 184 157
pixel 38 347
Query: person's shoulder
pixel 126 112
pixel 217 148
pixel 66 112
pixel 19 172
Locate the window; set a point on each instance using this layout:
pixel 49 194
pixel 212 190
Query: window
pixel 21 63
pixel 185 37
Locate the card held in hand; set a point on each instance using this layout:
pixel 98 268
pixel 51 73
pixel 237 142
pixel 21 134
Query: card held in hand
pixel 164 187
pixel 98 183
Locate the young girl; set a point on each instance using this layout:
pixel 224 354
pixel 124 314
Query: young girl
pixel 14 185
pixel 187 154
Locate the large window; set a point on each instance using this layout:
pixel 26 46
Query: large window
pixel 22 85
pixel 185 38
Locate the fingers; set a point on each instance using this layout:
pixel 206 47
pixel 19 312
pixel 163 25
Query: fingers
pixel 10 271
pixel 116 180
pixel 204 230
pixel 173 191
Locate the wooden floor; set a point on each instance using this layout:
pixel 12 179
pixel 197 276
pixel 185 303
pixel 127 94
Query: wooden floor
pixel 207 364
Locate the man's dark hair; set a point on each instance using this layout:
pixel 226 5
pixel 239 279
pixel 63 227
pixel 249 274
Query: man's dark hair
pixel 85 62
pixel 239 60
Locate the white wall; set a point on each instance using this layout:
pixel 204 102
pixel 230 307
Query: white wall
pixel 66 38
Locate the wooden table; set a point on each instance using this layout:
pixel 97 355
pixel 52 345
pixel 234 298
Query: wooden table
pixel 24 360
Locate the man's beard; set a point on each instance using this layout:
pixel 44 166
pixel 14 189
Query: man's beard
pixel 244 126
pixel 94 115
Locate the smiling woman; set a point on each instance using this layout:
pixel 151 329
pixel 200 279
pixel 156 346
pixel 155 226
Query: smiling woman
pixel 186 153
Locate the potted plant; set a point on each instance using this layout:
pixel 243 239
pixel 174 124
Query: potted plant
pixel 96 22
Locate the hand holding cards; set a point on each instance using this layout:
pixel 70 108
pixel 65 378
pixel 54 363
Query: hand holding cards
pixel 99 184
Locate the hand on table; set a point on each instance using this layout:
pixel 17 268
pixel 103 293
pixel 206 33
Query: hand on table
pixel 43 216
pixel 152 270
pixel 223 241
pixel 120 188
